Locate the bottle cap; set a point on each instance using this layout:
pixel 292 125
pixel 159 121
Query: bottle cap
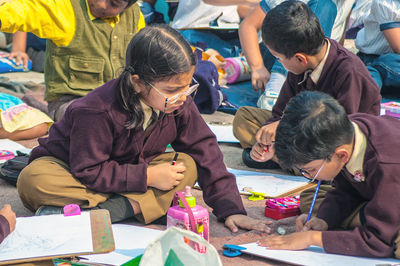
pixel 189 198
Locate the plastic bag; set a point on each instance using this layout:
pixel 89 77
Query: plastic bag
pixel 170 249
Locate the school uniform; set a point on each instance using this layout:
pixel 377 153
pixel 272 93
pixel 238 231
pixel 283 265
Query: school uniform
pixel 4 228
pixel 340 74
pixel 374 49
pixel 104 157
pixel 371 176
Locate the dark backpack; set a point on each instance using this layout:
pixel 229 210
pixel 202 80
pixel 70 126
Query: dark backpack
pixel 9 171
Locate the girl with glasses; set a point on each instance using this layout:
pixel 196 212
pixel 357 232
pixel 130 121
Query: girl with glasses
pixel 108 151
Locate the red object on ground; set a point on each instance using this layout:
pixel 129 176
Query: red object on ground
pixel 282 207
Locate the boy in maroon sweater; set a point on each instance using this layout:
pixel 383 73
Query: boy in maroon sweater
pixel 361 154
pixel 294 36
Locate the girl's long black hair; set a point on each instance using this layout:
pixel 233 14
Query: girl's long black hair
pixel 155 53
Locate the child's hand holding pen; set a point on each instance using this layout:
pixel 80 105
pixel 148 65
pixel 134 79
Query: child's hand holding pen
pixel 165 176
pixel 261 152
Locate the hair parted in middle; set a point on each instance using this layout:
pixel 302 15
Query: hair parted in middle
pixel 156 53
pixel 291 27
pixel 313 125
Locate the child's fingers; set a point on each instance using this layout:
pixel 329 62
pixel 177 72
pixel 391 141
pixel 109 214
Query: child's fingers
pixel 179 177
pixel 179 168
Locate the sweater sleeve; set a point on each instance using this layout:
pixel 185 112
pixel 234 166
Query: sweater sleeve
pixel 91 142
pixel 382 222
pixel 50 19
pixel 219 186
pixel 4 228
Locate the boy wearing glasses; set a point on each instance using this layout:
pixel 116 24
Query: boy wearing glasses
pixel 360 153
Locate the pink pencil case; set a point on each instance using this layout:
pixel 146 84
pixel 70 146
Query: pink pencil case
pixel 392 109
pixel 6 155
pixel 282 207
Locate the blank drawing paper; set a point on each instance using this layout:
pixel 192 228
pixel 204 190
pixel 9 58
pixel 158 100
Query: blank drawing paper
pixel 130 242
pixel 272 185
pixel 314 256
pixel 50 235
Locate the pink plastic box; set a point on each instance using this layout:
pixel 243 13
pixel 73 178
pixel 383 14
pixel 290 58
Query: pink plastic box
pixel 392 109
pixel 282 207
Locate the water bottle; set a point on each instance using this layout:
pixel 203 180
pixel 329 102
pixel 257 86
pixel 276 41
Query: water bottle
pixel 237 69
pixel 187 215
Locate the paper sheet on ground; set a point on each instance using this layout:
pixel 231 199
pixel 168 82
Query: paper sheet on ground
pixel 50 235
pixel 224 133
pixel 130 242
pixel 314 256
pixel 272 185
pixel 6 144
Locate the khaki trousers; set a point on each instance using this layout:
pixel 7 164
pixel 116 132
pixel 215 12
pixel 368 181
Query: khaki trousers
pixel 305 203
pixel 247 122
pixel 48 181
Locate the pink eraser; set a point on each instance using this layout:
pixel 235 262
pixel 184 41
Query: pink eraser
pixel 72 209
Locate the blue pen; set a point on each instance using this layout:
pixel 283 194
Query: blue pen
pixel 313 201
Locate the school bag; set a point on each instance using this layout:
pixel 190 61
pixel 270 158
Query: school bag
pixel 9 171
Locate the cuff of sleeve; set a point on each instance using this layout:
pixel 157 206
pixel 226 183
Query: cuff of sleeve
pixel 137 178
pixel 389 25
pixel 4 228
pixel 228 208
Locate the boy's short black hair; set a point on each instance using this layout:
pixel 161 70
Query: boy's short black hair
pixel 291 27
pixel 313 125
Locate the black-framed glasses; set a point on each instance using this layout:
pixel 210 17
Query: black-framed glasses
pixel 308 175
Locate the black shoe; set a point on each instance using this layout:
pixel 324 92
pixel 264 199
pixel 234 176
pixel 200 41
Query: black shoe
pixel 248 161
pixel 48 210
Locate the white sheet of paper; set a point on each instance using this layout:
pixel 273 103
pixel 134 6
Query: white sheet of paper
pixel 272 185
pixel 224 133
pixel 7 144
pixel 130 242
pixel 49 235
pixel 313 256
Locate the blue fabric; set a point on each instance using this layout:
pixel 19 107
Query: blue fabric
pixel 226 47
pixel 7 101
pixel 35 42
pixel 239 94
pixel 326 12
pixel 390 25
pixel 384 69
pixel 264 6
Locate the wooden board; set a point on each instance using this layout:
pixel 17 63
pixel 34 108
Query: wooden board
pixel 101 233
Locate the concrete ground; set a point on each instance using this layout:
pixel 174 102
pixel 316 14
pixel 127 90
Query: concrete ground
pixel 220 235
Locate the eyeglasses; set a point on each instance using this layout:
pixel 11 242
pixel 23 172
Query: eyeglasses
pixel 176 97
pixel 308 175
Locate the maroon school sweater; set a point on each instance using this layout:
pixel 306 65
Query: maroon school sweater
pixel 381 190
pixel 344 77
pixel 4 228
pixel 107 157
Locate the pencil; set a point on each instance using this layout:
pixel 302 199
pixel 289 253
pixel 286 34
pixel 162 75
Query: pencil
pixel 175 158
pixel 313 201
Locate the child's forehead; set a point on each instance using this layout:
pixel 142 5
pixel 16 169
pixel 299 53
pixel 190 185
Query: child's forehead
pixel 177 80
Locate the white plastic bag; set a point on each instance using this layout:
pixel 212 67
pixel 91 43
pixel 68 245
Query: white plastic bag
pixel 157 252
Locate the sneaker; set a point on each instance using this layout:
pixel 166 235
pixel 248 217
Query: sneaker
pixel 248 161
pixel 48 210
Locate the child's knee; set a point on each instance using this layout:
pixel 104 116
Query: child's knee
pixel 191 167
pixel 29 178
